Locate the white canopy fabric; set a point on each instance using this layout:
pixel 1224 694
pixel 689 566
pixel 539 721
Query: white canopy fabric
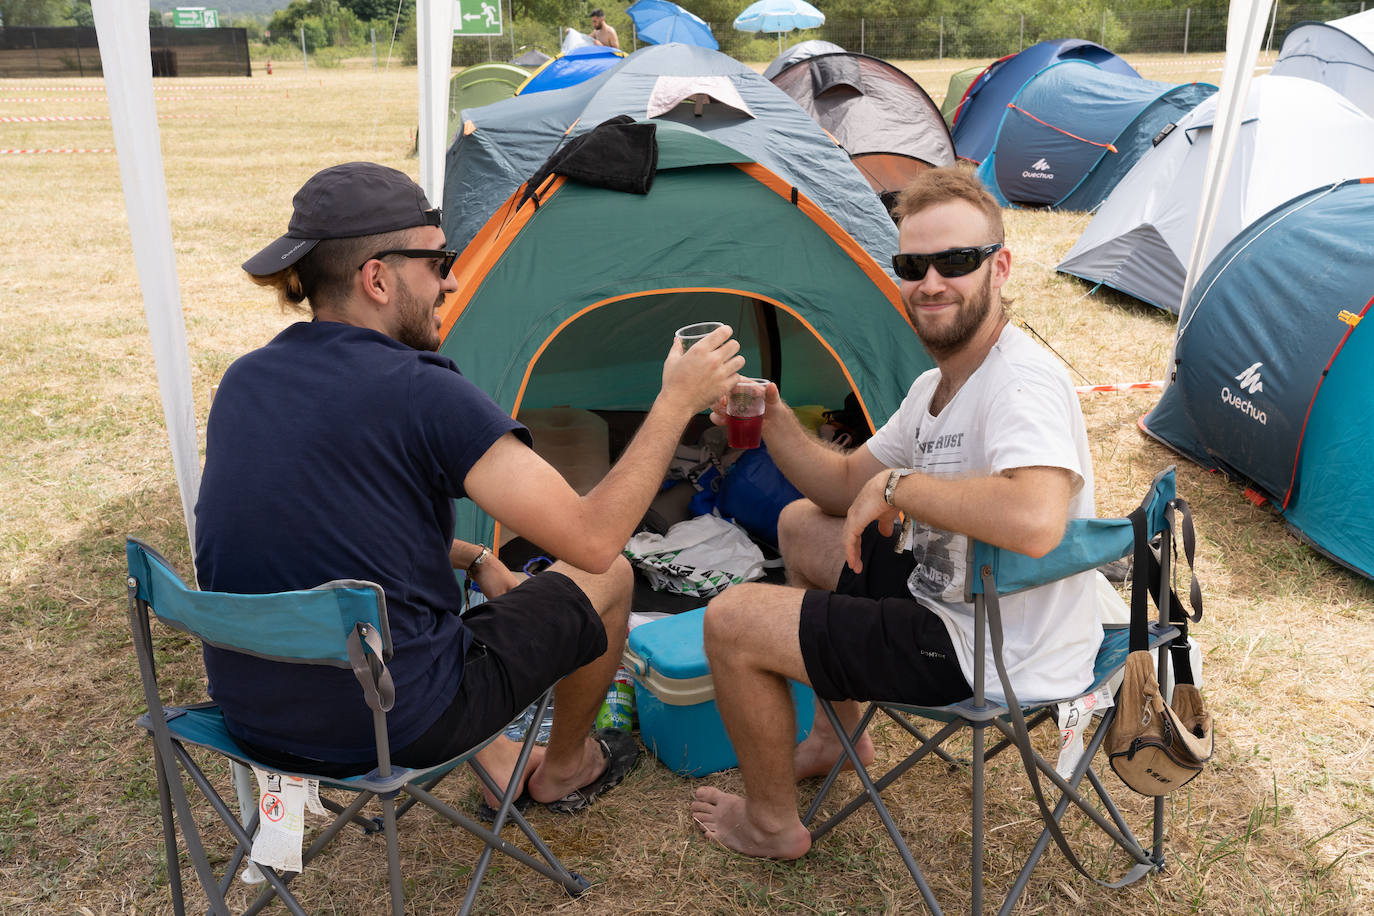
pixel 1296 135
pixel 434 31
pixel 122 31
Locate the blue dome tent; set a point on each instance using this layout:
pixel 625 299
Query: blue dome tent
pixel 980 113
pixel 1072 131
pixel 1271 383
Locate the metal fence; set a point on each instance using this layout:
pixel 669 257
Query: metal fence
pixel 73 51
pixel 985 32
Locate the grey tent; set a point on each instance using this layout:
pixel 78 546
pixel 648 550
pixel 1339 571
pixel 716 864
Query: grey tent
pixel 800 51
pixel 502 145
pixel 881 116
pixel 531 59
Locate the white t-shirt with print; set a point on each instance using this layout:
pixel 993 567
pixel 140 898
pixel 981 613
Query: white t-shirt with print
pixel 1017 410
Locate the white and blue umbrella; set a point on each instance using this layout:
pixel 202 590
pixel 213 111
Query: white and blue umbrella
pixel 779 16
pixel 659 22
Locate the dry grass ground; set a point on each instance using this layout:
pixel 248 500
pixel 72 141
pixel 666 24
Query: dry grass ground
pixel 1281 822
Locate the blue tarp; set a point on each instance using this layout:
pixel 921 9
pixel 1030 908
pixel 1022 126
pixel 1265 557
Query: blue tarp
pixel 572 68
pixel 976 127
pixel 1072 131
pixel 1272 381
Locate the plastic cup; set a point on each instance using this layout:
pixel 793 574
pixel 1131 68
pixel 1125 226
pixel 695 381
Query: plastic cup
pixel 694 332
pixel 744 413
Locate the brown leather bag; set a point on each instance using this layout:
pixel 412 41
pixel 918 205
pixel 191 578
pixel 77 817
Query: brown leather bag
pixel 1153 746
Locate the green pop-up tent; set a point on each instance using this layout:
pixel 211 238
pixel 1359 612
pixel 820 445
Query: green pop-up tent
pixel 569 296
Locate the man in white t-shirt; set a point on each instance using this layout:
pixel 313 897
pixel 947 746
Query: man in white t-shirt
pixel 990 444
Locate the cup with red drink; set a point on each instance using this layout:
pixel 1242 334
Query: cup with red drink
pixel 744 413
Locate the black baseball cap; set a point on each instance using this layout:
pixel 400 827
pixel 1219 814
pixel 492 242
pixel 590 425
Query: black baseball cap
pixel 341 202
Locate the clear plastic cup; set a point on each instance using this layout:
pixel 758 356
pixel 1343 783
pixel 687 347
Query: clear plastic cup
pixel 690 334
pixel 744 413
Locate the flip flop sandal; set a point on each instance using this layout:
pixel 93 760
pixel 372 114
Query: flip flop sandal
pixel 621 751
pixel 487 814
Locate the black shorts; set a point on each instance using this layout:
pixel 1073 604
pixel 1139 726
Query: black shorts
pixel 870 640
pixel 523 642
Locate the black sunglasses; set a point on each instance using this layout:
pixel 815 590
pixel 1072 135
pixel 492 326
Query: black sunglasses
pixel 444 257
pixel 952 262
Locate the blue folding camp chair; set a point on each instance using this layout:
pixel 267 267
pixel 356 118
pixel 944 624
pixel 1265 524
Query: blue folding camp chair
pixel 341 623
pixel 993 572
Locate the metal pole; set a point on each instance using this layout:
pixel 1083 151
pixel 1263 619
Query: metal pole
pixel 942 38
pixel 1269 45
pixel 304 59
pixel 490 56
pixel 374 48
pixel 1021 41
pixel 861 36
pixel 511 5
pixel 1104 29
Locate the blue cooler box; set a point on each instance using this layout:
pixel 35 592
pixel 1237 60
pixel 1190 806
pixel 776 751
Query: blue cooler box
pixel 675 698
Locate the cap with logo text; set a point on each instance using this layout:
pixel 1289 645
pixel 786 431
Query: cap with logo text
pixel 345 201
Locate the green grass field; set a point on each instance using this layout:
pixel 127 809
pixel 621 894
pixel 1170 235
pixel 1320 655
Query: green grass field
pixel 1281 822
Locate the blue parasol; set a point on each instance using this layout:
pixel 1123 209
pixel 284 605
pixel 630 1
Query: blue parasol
pixel 659 22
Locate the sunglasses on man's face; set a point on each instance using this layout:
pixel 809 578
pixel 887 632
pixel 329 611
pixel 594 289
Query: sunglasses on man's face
pixel 443 259
pixel 952 262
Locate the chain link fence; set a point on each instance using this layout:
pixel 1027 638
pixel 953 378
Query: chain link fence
pixel 986 32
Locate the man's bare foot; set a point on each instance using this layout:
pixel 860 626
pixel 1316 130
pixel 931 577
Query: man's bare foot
pixel 725 819
pixel 553 780
pixel 498 759
pixel 819 750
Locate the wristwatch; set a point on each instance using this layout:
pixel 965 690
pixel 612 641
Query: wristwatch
pixel 893 476
pixel 479 559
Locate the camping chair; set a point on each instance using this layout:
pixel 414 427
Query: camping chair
pixel 994 572
pixel 341 623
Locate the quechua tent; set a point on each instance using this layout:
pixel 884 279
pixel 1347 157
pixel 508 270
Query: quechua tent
pixel 570 293
pixel 1072 131
pixel 1271 382
pixel 975 127
pixel 1339 53
pixel 879 115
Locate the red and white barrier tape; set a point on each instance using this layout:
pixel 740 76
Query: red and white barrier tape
pixel 41 118
pixel 159 98
pixel 180 85
pixel 4 152
pixel 1125 386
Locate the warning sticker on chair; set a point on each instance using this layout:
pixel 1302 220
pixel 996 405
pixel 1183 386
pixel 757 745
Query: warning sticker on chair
pixel 282 803
pixel 1073 718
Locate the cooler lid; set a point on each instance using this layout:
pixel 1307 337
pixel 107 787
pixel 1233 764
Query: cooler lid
pixel 671 646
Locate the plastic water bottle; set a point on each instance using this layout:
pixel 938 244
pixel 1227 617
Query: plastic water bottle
pixel 517 730
pixel 619 709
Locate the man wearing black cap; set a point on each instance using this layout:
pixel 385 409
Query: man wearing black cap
pixel 337 450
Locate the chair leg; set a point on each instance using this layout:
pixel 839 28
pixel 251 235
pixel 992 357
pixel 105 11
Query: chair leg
pixel 169 836
pixel 393 854
pixel 979 776
pixel 872 794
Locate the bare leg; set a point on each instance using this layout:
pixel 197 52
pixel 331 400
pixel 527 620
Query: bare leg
pixel 809 540
pixel 752 647
pixel 573 758
pixel 498 759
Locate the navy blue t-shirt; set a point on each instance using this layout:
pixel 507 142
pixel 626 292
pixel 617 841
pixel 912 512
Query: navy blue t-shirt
pixel 335 452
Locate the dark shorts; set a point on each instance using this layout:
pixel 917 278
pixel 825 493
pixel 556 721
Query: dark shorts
pixel 870 640
pixel 523 642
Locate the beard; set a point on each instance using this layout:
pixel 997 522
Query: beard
pixel 948 337
pixel 415 321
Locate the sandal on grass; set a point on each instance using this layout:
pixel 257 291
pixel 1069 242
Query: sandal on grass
pixel 621 751
pixel 487 814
